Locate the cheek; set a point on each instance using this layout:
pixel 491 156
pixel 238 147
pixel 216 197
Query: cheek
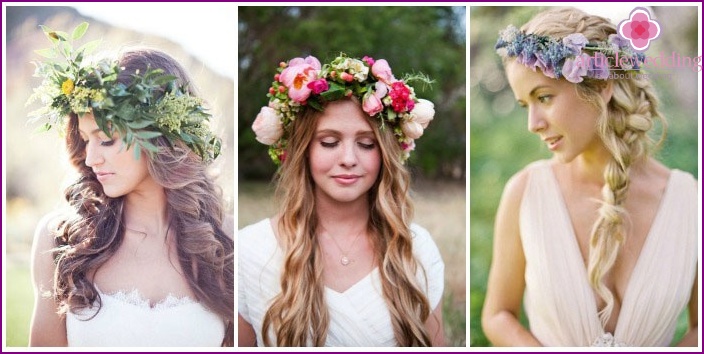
pixel 318 158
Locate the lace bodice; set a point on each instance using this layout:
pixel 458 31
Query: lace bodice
pixel 127 319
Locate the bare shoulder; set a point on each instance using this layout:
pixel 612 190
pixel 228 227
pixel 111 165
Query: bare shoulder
pixel 45 232
pixel 515 187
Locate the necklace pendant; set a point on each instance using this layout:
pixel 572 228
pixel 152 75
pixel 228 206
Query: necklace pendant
pixel 344 260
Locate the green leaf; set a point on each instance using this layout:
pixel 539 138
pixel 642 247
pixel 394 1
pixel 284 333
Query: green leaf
pixel 47 53
pixel 50 33
pixel 140 125
pixel 89 47
pixel 66 49
pixel 335 92
pixel 43 128
pixel 79 31
pixel 145 134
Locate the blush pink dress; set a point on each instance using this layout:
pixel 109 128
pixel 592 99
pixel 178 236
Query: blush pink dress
pixel 559 301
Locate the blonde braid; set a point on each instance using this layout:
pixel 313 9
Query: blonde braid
pixel 623 126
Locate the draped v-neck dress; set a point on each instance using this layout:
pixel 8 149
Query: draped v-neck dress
pixel 358 316
pixel 559 302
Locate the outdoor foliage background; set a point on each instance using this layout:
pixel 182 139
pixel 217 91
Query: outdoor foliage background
pixel 426 39
pixel 500 144
pixel 36 164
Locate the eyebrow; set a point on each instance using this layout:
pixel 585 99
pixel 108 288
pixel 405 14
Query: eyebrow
pixel 337 132
pixel 532 92
pixel 96 130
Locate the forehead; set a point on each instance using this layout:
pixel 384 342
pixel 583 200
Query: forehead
pixel 523 80
pixel 343 115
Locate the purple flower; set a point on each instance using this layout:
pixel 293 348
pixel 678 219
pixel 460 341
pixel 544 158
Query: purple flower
pixel 598 66
pixel 575 42
pixel 574 69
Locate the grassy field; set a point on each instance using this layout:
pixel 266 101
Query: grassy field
pixel 439 207
pixel 19 303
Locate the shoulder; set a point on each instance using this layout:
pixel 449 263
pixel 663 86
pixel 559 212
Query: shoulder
pixel 424 247
pixel 258 229
pixel 45 232
pixel 256 239
pixel 516 185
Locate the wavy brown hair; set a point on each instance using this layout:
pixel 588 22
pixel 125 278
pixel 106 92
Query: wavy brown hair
pixel 298 314
pixel 623 126
pixel 88 238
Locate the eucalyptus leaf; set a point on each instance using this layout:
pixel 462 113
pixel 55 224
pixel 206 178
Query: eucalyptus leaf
pixel 47 53
pixel 146 134
pixel 79 31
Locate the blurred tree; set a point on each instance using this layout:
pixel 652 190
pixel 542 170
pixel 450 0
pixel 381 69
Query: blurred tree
pixel 421 39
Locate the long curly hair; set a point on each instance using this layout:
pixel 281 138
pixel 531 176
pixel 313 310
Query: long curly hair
pixel 299 314
pixel 86 239
pixel 623 125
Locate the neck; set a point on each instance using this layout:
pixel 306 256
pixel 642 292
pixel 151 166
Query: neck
pixel 343 217
pixel 145 211
pixel 590 166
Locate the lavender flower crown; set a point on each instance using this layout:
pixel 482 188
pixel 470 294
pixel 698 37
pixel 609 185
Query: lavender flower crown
pixel 572 57
pixel 305 82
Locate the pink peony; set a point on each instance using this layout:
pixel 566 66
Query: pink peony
pixel 296 77
pixel 423 112
pixel 267 126
pixel 382 71
pixel 411 129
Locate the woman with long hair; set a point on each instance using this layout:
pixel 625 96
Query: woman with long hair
pixel 341 263
pixel 599 242
pixel 144 256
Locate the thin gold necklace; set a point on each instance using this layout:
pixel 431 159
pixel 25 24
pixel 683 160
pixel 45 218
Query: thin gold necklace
pixel 344 259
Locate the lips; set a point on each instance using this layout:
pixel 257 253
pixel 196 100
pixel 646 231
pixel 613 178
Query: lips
pixel 346 179
pixel 102 176
pixel 553 142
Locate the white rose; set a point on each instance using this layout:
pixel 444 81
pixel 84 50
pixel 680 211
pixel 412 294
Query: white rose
pixel 412 129
pixel 267 126
pixel 423 112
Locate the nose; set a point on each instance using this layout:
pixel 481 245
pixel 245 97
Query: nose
pixel 536 120
pixel 349 155
pixel 93 155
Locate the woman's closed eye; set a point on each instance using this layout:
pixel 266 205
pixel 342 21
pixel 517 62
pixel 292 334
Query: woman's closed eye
pixel 329 143
pixel 107 142
pixel 366 145
pixel 544 98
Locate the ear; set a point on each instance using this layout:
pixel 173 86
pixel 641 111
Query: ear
pixel 607 91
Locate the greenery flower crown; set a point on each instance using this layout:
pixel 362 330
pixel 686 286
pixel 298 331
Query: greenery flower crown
pixel 568 56
pixel 152 105
pixel 305 82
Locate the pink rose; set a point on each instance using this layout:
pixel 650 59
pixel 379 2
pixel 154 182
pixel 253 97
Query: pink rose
pixel 318 86
pixel 372 105
pixel 369 60
pixel 382 71
pixel 411 129
pixel 346 76
pixel 423 112
pixel 296 77
pixel 267 126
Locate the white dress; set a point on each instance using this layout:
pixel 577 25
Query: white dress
pixel 560 304
pixel 128 320
pixel 358 316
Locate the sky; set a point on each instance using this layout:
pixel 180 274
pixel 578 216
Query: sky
pixel 201 28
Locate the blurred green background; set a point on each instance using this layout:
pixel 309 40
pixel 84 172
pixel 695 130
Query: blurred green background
pixel 428 39
pixel 35 164
pixel 500 144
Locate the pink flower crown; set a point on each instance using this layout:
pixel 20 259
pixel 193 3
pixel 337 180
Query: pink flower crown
pixel 304 82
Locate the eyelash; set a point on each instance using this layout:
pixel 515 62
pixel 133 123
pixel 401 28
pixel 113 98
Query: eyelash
pixel 102 143
pixel 544 98
pixel 362 145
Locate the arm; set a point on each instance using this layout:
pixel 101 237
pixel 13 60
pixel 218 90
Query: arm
pixel 47 327
pixel 434 327
pixel 245 333
pixel 691 338
pixel 504 294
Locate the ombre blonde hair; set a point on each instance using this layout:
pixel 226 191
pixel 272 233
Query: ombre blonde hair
pixel 89 237
pixel 298 315
pixel 623 126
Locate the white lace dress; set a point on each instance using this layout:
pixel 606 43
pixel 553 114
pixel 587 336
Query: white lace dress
pixel 358 316
pixel 560 304
pixel 128 320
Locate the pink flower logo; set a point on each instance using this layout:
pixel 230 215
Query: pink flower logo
pixel 639 29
